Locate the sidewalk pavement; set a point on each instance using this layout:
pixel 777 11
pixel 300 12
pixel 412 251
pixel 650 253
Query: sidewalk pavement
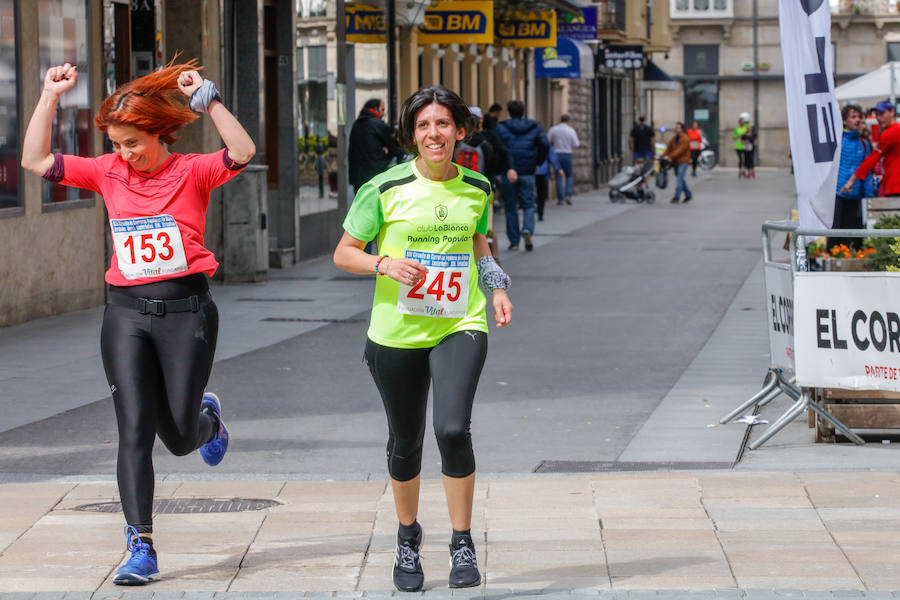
pixel 696 535
pixel 792 519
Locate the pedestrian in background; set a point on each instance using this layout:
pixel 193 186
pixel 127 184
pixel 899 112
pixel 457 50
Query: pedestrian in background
pixel 428 324
pixel 678 152
pixel 564 139
pixel 641 140
pixel 372 144
pixel 696 137
pixel 542 185
pixel 887 151
pixel 743 137
pixel 528 144
pixel 848 204
pixel 160 325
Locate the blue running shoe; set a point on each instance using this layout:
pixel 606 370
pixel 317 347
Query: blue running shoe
pixel 213 451
pixel 141 568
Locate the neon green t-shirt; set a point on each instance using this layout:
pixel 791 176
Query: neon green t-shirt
pixel 738 132
pixel 432 222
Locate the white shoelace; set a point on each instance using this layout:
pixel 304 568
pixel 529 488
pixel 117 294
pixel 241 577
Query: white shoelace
pixel 463 557
pixel 407 557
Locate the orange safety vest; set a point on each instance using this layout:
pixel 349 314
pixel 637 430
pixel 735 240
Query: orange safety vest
pixel 696 137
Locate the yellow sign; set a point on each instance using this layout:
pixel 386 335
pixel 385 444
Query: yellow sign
pixel 365 24
pixel 459 22
pixel 527 29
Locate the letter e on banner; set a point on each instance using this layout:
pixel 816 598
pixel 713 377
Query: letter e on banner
pixel 811 107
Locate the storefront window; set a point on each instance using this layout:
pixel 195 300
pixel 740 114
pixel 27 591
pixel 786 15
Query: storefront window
pixel 9 125
pixel 63 38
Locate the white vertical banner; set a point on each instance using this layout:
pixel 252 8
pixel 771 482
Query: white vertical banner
pixel 814 117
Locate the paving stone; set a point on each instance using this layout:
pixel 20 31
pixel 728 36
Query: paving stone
pixel 379 594
pixel 349 594
pixel 137 595
pixel 286 595
pixel 472 592
pixel 197 595
pixel 16 596
pixel 728 594
pixel 876 595
pixel 168 595
pixel 759 594
pixel 49 596
pixel 847 594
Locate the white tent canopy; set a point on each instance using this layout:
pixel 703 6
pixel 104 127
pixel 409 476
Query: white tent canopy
pixel 883 82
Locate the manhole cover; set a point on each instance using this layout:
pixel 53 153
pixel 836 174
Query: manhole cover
pixel 598 466
pixel 170 506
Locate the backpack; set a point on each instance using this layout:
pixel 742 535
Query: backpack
pixel 470 157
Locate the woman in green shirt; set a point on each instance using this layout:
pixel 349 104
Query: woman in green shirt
pixel 428 324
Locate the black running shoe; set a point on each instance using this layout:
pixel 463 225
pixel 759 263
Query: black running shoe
pixel 408 575
pixel 463 566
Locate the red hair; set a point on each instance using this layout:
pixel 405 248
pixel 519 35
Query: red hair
pixel 152 103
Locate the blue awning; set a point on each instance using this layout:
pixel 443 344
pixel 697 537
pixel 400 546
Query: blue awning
pixel 657 79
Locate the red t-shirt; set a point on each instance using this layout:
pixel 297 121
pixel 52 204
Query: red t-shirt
pixel 696 139
pixel 158 218
pixel 889 148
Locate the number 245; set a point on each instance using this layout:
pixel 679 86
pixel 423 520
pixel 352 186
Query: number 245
pixel 436 288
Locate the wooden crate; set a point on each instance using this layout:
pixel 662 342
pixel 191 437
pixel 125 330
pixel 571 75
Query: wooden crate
pixel 858 409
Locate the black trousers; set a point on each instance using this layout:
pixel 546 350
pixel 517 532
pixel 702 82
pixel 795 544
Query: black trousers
pixel 403 375
pixel 157 368
pixel 847 215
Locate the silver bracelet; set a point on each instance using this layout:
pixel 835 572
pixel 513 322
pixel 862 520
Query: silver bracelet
pixel 491 275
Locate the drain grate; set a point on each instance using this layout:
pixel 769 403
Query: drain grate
pixel 178 506
pixel 304 320
pixel 599 466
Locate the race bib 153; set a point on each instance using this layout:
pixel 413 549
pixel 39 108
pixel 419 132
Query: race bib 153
pixel 148 246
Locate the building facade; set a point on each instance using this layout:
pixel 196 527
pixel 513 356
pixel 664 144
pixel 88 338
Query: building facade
pixel 285 69
pixel 726 56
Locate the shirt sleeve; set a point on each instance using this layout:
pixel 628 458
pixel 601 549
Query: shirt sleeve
pixel 76 171
pixel 482 225
pixel 212 170
pixel 364 219
pixel 867 164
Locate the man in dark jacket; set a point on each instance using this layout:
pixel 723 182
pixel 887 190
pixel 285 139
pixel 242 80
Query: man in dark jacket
pixel 372 144
pixel 528 145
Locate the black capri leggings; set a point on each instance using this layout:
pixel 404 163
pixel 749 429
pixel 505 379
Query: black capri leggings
pixel 402 376
pixel 157 368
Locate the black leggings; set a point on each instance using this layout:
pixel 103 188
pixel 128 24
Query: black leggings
pixel 157 368
pixel 402 376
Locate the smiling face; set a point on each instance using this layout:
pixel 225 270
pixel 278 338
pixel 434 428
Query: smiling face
pixel 436 134
pixel 141 150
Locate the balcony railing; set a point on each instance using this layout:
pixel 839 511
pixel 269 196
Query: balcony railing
pixel 865 7
pixel 611 15
pixel 701 9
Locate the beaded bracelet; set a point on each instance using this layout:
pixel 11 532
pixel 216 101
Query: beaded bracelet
pixel 378 262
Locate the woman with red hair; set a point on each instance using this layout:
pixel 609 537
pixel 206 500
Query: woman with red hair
pixel 160 325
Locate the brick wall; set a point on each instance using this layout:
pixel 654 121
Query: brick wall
pixel 580 111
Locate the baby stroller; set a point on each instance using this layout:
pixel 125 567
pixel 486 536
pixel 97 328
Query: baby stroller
pixel 631 182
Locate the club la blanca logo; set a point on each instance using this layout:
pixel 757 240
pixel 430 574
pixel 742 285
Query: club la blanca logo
pixel 441 212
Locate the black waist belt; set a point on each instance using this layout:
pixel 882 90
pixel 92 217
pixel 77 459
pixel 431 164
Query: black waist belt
pixel 149 306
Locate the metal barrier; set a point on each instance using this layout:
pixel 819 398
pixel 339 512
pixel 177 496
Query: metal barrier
pixel 779 288
pixel 776 380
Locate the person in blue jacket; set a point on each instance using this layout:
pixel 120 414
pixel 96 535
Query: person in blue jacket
pixel 527 143
pixel 848 205
pixel 541 178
